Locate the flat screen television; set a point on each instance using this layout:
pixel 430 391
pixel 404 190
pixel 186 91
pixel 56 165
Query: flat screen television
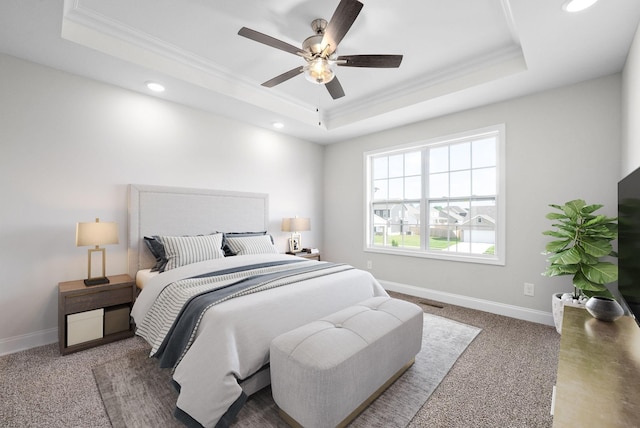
pixel 629 242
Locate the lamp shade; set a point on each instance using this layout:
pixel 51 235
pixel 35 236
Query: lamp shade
pixel 96 233
pixel 296 224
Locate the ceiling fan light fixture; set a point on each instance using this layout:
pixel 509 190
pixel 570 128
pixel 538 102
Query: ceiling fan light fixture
pixel 319 70
pixel 313 44
pixel 577 5
pixel 319 50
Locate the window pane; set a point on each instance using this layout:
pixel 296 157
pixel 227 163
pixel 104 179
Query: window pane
pixel 380 167
pixel 412 187
pixel 396 188
pixel 380 190
pixel 394 225
pixel 439 159
pixel 413 220
pixel 484 181
pixel 479 233
pixel 396 166
pixel 410 226
pixel 383 211
pixel 460 210
pixel 388 239
pixel 403 227
pixel 441 234
pixel 439 185
pixel 460 156
pixel 413 163
pixel 485 207
pixel 484 152
pixel 460 184
pixel 381 214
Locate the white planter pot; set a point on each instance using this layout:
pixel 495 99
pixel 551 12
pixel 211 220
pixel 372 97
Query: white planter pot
pixel 558 302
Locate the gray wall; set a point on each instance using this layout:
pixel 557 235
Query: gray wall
pixel 69 146
pixel 631 109
pixel 562 144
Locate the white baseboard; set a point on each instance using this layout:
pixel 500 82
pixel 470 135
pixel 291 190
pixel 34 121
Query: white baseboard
pixel 512 311
pixel 14 344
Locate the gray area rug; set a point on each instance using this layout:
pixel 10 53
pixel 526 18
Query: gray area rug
pixel 137 393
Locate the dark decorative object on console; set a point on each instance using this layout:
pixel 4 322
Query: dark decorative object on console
pixel 604 308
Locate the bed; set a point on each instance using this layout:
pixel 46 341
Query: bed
pixel 220 354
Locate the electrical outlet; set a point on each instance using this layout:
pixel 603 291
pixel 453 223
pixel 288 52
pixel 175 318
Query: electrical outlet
pixel 369 264
pixel 529 289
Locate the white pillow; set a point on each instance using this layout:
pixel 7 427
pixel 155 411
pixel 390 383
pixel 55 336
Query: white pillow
pixel 251 245
pixel 184 250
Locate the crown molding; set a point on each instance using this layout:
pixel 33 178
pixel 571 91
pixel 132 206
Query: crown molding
pixel 86 27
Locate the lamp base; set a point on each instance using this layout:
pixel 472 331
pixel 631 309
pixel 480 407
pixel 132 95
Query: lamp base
pixel 295 243
pixel 96 281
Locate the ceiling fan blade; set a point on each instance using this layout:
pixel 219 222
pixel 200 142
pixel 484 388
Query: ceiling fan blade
pixel 341 21
pixel 374 61
pixel 283 77
pixel 270 41
pixel 335 88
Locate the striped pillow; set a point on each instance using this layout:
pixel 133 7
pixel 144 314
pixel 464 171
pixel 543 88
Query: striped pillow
pixel 184 250
pixel 227 235
pixel 251 245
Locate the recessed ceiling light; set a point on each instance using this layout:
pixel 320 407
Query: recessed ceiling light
pixel 578 5
pixel 278 125
pixel 155 87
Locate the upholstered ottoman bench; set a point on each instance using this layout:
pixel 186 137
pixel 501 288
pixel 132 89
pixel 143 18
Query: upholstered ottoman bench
pixel 326 372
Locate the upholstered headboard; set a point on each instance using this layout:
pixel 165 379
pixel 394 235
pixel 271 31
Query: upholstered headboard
pixel 175 211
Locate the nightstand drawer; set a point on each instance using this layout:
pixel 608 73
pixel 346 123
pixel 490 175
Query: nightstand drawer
pixel 99 299
pixel 85 326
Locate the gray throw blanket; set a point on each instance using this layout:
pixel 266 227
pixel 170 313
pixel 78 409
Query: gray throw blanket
pixel 182 332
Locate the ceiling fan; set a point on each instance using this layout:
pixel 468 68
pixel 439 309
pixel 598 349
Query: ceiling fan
pixel 319 50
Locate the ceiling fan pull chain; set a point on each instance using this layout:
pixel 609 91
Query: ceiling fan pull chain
pixel 318 107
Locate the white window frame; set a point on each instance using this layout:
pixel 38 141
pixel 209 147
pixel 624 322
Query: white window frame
pixel 500 198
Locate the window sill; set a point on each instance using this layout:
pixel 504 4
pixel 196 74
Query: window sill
pixel 465 258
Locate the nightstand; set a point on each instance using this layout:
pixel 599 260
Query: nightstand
pixel 104 310
pixel 308 255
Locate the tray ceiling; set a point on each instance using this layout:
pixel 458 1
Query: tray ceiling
pixel 457 54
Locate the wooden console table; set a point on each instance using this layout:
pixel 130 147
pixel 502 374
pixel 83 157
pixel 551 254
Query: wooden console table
pixel 598 382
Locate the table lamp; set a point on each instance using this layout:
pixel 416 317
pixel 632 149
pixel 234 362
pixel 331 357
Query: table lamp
pixel 295 225
pixel 97 233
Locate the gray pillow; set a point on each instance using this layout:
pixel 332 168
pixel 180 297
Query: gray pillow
pixel 225 245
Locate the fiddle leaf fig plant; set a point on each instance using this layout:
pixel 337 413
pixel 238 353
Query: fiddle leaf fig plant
pixel 582 239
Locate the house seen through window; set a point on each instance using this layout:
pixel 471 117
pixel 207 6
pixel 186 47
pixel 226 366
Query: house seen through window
pixel 442 198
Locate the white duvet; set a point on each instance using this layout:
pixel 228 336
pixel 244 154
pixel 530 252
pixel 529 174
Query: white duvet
pixel 232 342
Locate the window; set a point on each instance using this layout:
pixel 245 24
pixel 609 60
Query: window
pixel 442 198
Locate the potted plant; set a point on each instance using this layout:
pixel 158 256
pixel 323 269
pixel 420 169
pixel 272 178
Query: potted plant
pixel 582 240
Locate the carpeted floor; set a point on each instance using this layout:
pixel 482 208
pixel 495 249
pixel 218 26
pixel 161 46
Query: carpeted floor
pixel 136 394
pixel 504 378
